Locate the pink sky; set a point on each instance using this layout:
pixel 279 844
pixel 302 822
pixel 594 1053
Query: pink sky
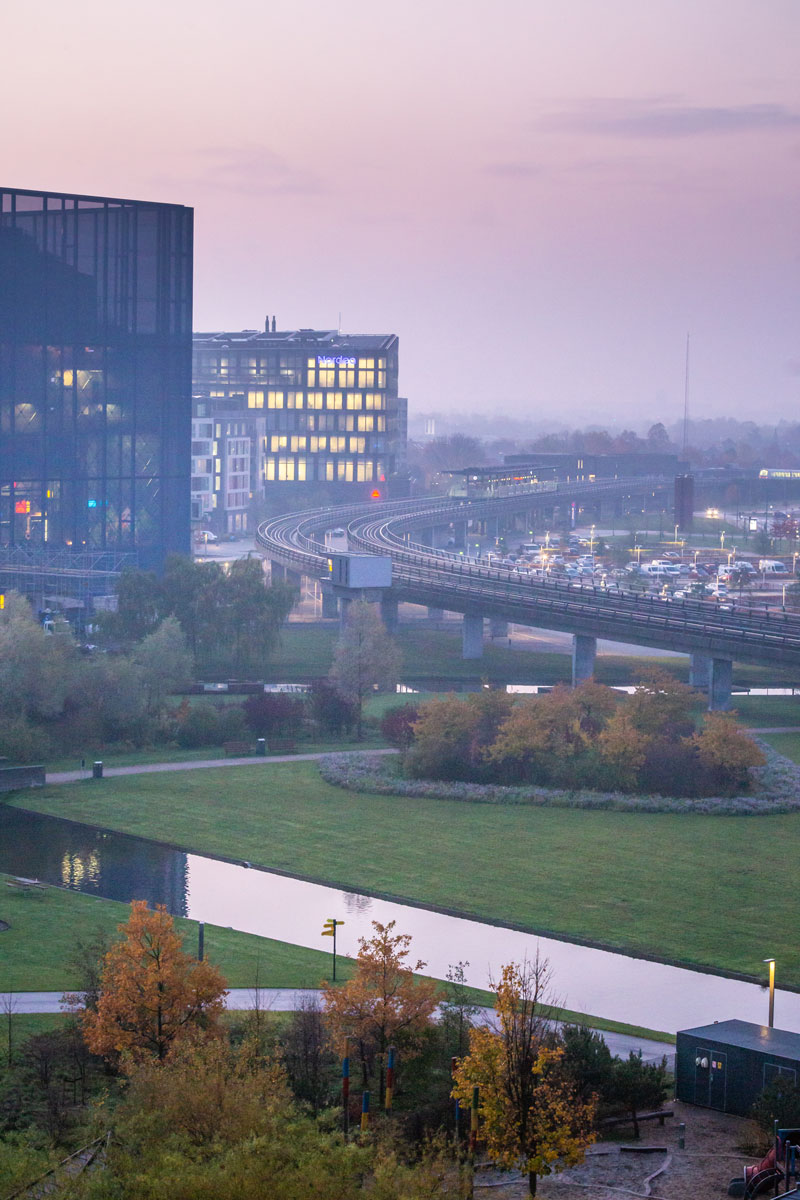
pixel 541 199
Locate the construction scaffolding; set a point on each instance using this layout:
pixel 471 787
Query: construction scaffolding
pixel 63 580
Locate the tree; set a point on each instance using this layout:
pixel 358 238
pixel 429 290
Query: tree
pixel 639 1086
pixel 532 1116
pixel 383 1004
pixel 366 659
pixel 726 750
pixel 587 1061
pixel 37 669
pixel 152 994
pixel 453 734
pixel 164 662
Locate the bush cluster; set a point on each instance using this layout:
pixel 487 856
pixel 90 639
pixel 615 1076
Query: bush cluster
pixel 584 738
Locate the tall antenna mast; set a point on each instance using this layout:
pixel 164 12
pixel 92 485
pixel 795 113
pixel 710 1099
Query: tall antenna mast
pixel 686 404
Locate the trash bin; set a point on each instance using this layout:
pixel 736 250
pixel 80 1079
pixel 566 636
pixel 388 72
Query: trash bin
pixel 261 747
pixel 97 770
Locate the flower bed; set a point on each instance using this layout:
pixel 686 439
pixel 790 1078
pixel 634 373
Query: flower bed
pixel 776 789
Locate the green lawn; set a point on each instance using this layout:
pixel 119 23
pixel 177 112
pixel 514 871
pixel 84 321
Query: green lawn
pixel 764 711
pixel 45 925
pixel 785 743
pixel 688 888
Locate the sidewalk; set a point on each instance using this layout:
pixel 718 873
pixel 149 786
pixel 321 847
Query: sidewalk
pixel 200 764
pixel 289 999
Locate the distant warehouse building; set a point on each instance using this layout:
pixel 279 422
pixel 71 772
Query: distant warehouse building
pixel 308 415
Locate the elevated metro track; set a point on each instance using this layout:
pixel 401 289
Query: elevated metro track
pixel 441 579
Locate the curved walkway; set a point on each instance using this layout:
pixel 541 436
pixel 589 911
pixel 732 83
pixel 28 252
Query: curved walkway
pixel 198 764
pixel 289 999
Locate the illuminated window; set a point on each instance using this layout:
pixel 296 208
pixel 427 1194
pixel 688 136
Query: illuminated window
pixel 318 443
pixel 357 445
pixel 301 469
pixel 275 399
pixel 286 469
pixel 381 383
pixel 311 364
pixel 344 472
pixel 366 372
pixel 374 400
pixel 314 399
pixel 365 468
pixel 269 469
pixel 380 423
pixel 336 445
pixel 333 400
pixel 294 400
pixel 355 400
pixel 255 399
pixel 298 443
pixel 365 423
pixel 278 442
pixel 347 373
pixel 326 375
pixel 329 470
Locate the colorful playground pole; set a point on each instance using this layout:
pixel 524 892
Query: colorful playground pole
pixel 473 1122
pixel 457 1109
pixel 346 1085
pixel 364 1112
pixel 390 1079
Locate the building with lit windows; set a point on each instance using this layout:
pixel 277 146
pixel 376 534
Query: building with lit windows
pixel 314 413
pixel 95 379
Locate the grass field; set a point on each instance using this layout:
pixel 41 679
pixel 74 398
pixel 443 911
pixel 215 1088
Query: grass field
pixel 687 888
pixel 46 924
pixel 785 743
pixel 306 652
pixel 764 711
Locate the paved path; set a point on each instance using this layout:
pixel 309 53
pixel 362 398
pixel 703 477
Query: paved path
pixel 776 729
pixel 288 999
pixel 198 764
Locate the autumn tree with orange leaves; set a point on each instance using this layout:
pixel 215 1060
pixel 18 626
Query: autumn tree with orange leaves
pixel 383 1004
pixel 531 1115
pixel 153 995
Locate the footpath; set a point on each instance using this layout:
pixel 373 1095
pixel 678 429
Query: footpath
pixel 199 764
pixel 290 999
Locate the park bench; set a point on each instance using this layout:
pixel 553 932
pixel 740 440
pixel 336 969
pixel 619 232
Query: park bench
pixel 24 885
pixel 236 749
pixel 282 745
pixel 627 1118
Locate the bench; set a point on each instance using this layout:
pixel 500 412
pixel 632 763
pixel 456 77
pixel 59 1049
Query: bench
pixel 282 745
pixel 236 749
pixel 627 1119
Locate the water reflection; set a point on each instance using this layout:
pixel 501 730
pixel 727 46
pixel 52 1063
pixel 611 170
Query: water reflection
pixel 121 867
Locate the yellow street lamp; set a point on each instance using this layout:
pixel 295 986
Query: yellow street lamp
pixel 771 962
pixel 722 539
pixel 675 539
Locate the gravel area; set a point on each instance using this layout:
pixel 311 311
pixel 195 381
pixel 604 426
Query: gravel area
pixel 711 1158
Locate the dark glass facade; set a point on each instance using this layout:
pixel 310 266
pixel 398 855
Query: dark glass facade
pixel 95 374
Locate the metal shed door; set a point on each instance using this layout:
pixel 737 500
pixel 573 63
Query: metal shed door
pixel 710 1072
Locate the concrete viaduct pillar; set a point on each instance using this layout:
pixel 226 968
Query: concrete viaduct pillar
pixel 277 571
pixel 720 685
pixel 472 637
pixel 330 605
pixel 584 650
pixel 435 614
pixel 498 628
pixel 699 671
pixel 389 612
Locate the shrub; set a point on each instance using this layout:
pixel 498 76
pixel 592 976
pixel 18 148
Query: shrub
pixel 231 723
pixel 199 727
pixel 330 709
pixel 23 742
pixel 779 1101
pixel 273 712
pixel 397 725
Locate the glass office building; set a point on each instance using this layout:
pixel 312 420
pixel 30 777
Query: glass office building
pixel 314 412
pixel 95 375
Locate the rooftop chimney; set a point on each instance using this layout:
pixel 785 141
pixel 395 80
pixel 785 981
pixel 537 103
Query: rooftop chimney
pixel 273 324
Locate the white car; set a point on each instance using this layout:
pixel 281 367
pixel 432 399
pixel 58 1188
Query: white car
pixel 205 535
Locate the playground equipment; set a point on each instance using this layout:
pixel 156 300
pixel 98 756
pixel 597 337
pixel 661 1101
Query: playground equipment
pixel 776 1170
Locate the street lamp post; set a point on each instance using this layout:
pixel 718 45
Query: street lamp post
pixel 771 962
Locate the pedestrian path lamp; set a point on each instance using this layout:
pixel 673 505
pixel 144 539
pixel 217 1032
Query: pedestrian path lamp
pixel 329 930
pixel 771 962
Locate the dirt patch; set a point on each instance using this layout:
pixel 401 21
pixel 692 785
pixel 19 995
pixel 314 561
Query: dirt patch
pixel 4 925
pixel 703 1169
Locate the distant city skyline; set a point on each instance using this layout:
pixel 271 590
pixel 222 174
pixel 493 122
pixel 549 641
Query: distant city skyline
pixel 540 200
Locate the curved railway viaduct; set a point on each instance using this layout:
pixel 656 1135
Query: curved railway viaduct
pixel 444 580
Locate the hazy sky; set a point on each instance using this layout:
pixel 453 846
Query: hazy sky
pixel 541 199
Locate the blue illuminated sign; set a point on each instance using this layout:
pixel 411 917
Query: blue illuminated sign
pixel 325 360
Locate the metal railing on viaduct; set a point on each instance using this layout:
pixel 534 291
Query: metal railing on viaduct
pixel 444 579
